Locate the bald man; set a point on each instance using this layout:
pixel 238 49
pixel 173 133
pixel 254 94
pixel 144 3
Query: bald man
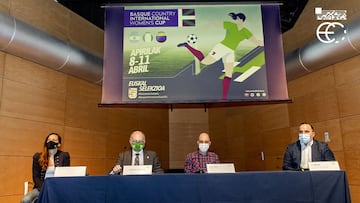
pixel 196 161
pixel 137 155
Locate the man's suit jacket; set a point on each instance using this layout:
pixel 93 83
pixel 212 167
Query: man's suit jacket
pixel 150 158
pixel 320 151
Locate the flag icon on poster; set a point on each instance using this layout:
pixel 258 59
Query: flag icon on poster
pixel 188 23
pixel 187 17
pixel 188 12
pixel 134 37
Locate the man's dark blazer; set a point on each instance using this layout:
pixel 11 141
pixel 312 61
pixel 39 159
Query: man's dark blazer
pixel 320 151
pixel 150 158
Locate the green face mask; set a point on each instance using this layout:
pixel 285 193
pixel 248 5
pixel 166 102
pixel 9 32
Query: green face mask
pixel 138 146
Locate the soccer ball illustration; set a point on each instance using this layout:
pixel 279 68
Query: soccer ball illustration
pixel 191 39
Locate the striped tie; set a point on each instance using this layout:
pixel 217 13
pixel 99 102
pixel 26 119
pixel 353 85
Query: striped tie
pixel 137 162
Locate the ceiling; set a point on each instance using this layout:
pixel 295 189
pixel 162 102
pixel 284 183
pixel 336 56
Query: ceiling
pixel 93 10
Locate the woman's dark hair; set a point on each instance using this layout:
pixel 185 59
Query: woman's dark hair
pixel 44 155
pixel 234 16
pixel 59 138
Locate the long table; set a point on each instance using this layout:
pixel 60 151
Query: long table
pixel 247 187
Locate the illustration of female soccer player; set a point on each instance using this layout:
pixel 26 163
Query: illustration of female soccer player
pixel 236 32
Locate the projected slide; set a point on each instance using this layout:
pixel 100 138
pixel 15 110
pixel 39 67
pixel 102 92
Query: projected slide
pixel 192 54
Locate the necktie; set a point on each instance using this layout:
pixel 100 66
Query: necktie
pixel 137 160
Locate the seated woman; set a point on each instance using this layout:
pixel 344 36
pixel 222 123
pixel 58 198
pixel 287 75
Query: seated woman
pixel 44 162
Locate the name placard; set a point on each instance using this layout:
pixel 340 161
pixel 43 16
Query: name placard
pixel 70 171
pixel 324 166
pixel 220 168
pixel 137 170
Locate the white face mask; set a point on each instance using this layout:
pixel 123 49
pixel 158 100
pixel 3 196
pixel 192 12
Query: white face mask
pixel 203 147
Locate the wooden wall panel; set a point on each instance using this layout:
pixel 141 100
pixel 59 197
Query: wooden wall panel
pixel 12 198
pixel 21 137
pixel 347 71
pixel 183 115
pixel 163 155
pixel 233 151
pixel 239 163
pixel 253 162
pixel 234 124
pixel 220 133
pixel 2 64
pixel 294 132
pixel 311 83
pixel 34 75
pixel 355 193
pixel 14 174
pixel 95 166
pixel 185 125
pixel 318 106
pixel 39 96
pixel 274 116
pixel 349 99
pixel 230 144
pixel 116 143
pixel 253 146
pixel 50 16
pixel 85 143
pixel 340 157
pixel 154 123
pixel 274 145
pixel 82 109
pixel 121 121
pixel 252 119
pixel 273 163
pixel 2 68
pixel 275 141
pixel 253 143
pixel 79 35
pixel 1 89
pixel 23 101
pixel 4 6
pixel 351 133
pixel 352 161
pixel 334 129
pixel 250 116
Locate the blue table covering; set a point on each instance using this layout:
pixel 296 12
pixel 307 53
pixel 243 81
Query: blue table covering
pixel 247 187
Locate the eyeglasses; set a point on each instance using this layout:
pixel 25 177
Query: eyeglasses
pixel 304 131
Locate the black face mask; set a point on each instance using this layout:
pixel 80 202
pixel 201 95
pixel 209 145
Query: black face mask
pixel 51 145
